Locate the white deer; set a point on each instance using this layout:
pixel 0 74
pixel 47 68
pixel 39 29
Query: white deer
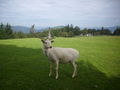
pixel 59 55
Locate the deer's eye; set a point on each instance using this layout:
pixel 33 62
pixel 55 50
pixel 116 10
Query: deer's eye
pixel 45 42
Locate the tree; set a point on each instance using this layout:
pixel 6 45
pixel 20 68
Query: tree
pixel 70 34
pixel 64 34
pixel 105 31
pixel 117 31
pixel 6 31
pixel 1 31
pixel 76 30
pixel 84 31
pixel 19 35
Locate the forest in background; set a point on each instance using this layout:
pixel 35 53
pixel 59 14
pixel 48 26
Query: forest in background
pixel 6 32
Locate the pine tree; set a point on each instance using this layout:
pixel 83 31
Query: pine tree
pixel 117 31
pixel 76 30
pixel 8 31
pixel 1 31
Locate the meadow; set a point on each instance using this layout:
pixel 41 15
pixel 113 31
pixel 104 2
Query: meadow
pixel 23 66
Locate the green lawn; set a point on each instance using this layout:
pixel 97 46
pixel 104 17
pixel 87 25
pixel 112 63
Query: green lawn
pixel 24 67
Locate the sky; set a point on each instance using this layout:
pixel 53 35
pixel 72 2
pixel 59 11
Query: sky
pixel 84 13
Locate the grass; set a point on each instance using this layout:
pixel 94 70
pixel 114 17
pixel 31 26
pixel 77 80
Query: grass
pixel 24 67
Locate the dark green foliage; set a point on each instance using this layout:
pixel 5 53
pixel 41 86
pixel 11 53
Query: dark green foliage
pixel 1 31
pixel 70 31
pixel 105 31
pixel 117 31
pixel 76 30
pixel 94 32
pixel 64 34
pixel 66 31
pixel 19 35
pixel 84 31
pixel 6 31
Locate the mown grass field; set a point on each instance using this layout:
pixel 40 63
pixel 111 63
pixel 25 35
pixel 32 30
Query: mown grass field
pixel 24 67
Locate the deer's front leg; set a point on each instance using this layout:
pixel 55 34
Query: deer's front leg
pixel 57 66
pixel 50 69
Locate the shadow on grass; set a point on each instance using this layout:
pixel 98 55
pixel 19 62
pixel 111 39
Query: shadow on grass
pixel 27 69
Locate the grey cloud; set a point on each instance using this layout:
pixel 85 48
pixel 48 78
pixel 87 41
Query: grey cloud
pixel 64 11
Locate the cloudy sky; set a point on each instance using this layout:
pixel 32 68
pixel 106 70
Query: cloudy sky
pixel 85 13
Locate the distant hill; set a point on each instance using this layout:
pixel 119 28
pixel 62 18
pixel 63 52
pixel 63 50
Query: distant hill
pixel 26 29
pixel 21 28
pixel 112 29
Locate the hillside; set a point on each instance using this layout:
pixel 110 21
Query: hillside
pixel 26 29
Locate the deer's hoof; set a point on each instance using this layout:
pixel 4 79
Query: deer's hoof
pixel 73 76
pixel 50 75
pixel 56 77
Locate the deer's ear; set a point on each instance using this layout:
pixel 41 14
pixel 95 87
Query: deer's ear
pixel 42 40
pixel 52 41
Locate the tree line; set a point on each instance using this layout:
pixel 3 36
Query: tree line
pixel 6 32
pixel 71 31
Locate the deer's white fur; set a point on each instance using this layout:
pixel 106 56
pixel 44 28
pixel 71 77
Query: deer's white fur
pixel 64 55
pixel 60 55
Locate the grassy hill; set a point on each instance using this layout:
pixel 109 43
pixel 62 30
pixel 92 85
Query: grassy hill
pixel 24 67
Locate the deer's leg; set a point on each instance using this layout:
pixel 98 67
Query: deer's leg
pixel 50 69
pixel 75 69
pixel 57 66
